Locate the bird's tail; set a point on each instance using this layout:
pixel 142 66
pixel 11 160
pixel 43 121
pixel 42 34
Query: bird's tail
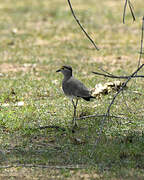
pixel 88 98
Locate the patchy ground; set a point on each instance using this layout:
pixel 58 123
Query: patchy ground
pixel 36 137
pixel 7 67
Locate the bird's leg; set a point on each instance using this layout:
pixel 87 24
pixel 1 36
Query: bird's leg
pixel 74 115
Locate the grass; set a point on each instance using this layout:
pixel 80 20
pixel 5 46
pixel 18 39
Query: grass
pixel 37 37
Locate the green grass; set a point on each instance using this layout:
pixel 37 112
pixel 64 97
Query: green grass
pixel 37 37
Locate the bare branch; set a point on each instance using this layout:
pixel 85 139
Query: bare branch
pixel 72 11
pixel 131 10
pixel 117 77
pixel 122 87
pixel 112 102
pixel 124 11
pixel 124 100
pixel 107 115
pixel 104 71
pixel 141 46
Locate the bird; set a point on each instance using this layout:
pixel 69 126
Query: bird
pixel 74 89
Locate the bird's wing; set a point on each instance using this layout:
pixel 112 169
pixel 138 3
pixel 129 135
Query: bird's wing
pixel 75 87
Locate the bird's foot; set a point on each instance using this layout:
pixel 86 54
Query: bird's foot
pixel 75 126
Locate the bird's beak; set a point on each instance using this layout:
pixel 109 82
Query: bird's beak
pixel 59 70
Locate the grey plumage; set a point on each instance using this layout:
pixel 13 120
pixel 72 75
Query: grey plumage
pixel 73 88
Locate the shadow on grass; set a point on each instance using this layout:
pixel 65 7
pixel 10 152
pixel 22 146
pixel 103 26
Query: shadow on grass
pixel 63 148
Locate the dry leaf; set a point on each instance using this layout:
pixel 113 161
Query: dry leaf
pixel 106 88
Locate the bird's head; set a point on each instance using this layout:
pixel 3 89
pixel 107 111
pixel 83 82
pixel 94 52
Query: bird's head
pixel 66 70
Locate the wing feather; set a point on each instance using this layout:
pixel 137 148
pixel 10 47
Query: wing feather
pixel 74 87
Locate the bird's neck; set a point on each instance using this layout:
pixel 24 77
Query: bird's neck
pixel 67 77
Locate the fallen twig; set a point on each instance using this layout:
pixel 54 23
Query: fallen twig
pixel 52 127
pixel 99 115
pixel 43 166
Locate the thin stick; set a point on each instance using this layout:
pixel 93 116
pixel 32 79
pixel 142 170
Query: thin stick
pixel 105 71
pixel 141 46
pixel 120 90
pixel 109 107
pixel 117 77
pixel 124 11
pixel 124 100
pixel 72 11
pixel 52 127
pixel 122 87
pixel 44 166
pixel 131 10
pixel 99 115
